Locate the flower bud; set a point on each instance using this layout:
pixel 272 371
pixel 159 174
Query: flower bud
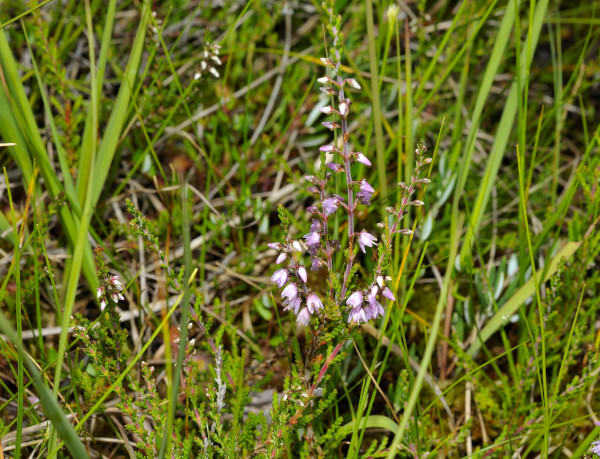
pixel 344 108
pixel 335 167
pixel 331 125
pixel 363 159
pixel 327 61
pixel 392 14
pixel 352 83
pixel 302 274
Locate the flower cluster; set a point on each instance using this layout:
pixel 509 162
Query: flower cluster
pixel 112 289
pixel 373 308
pixel 209 60
pixel 294 278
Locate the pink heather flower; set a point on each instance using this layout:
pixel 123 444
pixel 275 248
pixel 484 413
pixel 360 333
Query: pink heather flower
pixel 328 110
pixel 331 125
pixel 355 300
pixel 365 186
pixel 366 239
pixel 364 198
pixel 312 238
pixel 303 317
pixel 388 294
pixel 316 264
pixel 302 274
pixel 290 292
pixel 327 61
pixel 281 258
pixel 293 304
pixel 327 148
pixel 102 305
pixel 315 225
pixel 330 205
pixel 596 447
pixel 357 315
pixel 280 277
pixel 275 245
pixel 380 281
pixel 363 159
pixel 324 80
pixel 374 309
pixel 335 167
pixel 313 303
pixel 296 246
pixel 99 292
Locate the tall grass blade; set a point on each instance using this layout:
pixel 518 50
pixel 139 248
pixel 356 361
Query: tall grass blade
pixel 502 135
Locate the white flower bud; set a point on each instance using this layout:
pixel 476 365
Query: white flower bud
pixel 343 108
pixel 353 83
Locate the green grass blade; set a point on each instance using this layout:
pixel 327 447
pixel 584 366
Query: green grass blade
pixel 501 138
pixel 23 130
pixel 85 158
pixel 112 133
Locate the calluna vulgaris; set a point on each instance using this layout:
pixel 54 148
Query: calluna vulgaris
pixel 361 304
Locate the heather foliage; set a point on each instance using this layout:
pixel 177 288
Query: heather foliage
pixel 293 229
